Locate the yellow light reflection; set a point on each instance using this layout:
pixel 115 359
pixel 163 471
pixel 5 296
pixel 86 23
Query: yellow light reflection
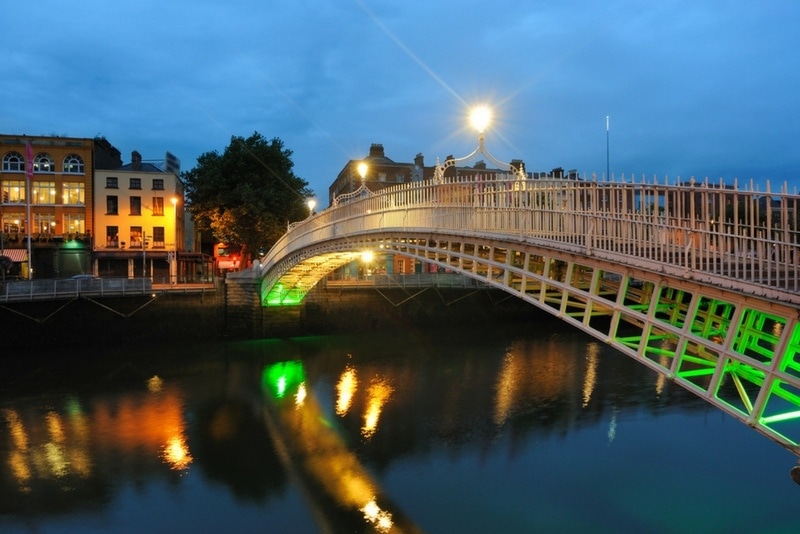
pixel 345 389
pixel 378 393
pixel 176 453
pixel 300 396
pixel 18 433
pixel 590 378
pixel 155 384
pixel 380 518
pixel 55 459
pixel 54 427
pixel 661 380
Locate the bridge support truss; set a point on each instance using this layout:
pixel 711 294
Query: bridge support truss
pixel 738 352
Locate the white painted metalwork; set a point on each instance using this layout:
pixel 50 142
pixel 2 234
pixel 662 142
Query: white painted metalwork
pixel 697 280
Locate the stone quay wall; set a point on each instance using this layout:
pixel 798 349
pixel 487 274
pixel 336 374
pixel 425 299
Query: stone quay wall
pixel 234 311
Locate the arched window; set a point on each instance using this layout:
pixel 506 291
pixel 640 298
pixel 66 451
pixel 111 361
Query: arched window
pixel 73 164
pixel 43 163
pixel 13 162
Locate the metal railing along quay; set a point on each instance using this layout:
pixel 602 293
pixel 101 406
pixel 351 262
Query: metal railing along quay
pixel 69 288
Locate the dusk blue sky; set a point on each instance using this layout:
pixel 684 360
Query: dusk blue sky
pixel 692 88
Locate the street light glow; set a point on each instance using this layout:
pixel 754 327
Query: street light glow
pixel 311 205
pixel 480 118
pixel 362 170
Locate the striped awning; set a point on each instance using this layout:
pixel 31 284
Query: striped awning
pixel 17 255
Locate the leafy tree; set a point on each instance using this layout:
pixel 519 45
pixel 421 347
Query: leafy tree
pixel 246 195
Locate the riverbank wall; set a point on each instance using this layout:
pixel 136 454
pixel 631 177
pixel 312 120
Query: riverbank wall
pixel 234 311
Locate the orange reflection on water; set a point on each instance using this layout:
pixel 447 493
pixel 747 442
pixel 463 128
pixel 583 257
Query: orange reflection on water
pixel 345 389
pixel 533 375
pixel 176 453
pixel 378 393
pixel 590 378
pixel 381 519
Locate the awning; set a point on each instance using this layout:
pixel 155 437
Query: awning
pixel 17 255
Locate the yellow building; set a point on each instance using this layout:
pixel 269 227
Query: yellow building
pixel 138 220
pixel 58 197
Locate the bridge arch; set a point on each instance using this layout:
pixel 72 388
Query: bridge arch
pixel 638 266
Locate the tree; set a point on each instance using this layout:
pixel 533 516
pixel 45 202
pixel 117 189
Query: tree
pixel 246 195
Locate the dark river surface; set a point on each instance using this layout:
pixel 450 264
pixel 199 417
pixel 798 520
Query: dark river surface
pixel 526 428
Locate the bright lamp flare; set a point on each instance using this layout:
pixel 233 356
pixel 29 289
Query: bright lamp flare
pixel 362 170
pixel 367 256
pixel 480 118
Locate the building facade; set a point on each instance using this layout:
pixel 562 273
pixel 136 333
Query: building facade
pixel 56 190
pixel 138 221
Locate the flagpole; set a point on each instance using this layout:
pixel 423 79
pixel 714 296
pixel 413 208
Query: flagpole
pixel 608 168
pixel 28 222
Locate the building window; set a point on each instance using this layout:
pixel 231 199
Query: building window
pixel 74 223
pixel 13 162
pixel 43 163
pixel 400 178
pixel 136 237
pixel 136 205
pixel 112 237
pixel 112 182
pixel 112 206
pixel 44 223
pixel 381 176
pixel 136 183
pixel 158 237
pixel 158 205
pixel 44 192
pixel 158 184
pixel 73 164
pixel 73 193
pixel 13 192
pixel 12 224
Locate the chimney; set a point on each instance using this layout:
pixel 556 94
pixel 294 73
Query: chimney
pixel 136 161
pixel 376 151
pixel 419 161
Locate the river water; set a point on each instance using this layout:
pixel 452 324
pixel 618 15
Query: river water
pixel 503 428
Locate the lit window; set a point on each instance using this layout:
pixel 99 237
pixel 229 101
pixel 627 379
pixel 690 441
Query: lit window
pixel 44 223
pixel 74 223
pixel 13 192
pixel 158 205
pixel 73 193
pixel 136 237
pixel 43 163
pixel 44 192
pixel 73 164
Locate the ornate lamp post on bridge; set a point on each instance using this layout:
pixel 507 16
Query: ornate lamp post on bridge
pixel 480 117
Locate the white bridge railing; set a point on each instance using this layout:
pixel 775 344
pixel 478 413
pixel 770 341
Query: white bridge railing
pixel 747 236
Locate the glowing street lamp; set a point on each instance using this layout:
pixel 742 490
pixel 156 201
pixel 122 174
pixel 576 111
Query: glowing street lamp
pixel 362 171
pixel 311 205
pixel 479 117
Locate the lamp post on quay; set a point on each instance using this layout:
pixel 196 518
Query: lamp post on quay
pixel 173 268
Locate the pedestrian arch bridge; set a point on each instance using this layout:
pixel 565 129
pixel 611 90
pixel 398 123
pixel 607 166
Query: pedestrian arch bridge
pixel 698 281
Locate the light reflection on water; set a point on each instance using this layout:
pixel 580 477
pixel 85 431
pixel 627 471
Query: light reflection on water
pixel 432 431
